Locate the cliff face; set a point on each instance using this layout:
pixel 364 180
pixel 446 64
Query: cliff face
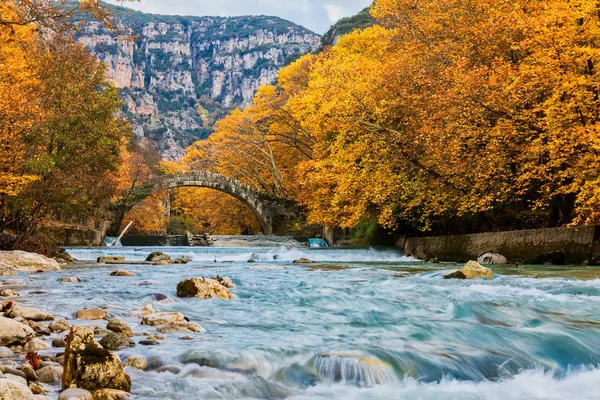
pixel 181 74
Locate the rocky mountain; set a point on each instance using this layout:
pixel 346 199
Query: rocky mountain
pixel 346 25
pixel 181 74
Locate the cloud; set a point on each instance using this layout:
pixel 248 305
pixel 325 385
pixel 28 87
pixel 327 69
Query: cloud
pixel 317 15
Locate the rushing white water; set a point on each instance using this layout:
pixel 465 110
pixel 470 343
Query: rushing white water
pixel 365 324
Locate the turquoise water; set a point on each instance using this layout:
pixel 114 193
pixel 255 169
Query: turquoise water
pixel 363 324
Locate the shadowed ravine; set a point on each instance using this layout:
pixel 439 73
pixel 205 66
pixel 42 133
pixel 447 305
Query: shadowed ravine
pixel 364 324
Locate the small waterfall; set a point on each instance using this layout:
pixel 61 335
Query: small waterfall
pixel 356 370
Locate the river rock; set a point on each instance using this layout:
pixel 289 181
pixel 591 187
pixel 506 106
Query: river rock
pixel 149 342
pixel 70 279
pixel 492 258
pixel 36 388
pixel 89 366
pixel 158 256
pixel 13 333
pixel 30 374
pixel 91 314
pixel 226 281
pixel 38 327
pixel 122 273
pixel 75 393
pixel 110 260
pixel 184 260
pixel 64 257
pixel 50 374
pixel 181 327
pixel 305 261
pixel 161 318
pixel 471 270
pixel 11 390
pixel 5 352
pixel 119 326
pixel 8 293
pixel 111 394
pixel 36 344
pixel 13 310
pixel 137 362
pixel 16 378
pixel 115 341
pixel 553 257
pixel 203 288
pixel 58 343
pixel 59 326
pixel 22 261
pixel 8 370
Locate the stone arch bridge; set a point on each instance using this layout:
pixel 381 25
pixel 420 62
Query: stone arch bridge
pixel 273 213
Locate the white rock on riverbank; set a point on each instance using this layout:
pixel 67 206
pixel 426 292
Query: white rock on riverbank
pixel 22 261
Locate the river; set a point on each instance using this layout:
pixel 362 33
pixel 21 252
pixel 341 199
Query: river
pixel 362 324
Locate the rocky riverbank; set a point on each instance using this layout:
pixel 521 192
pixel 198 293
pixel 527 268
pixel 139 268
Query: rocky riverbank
pixel 37 360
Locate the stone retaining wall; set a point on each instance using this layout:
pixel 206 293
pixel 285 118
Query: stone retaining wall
pixel 578 244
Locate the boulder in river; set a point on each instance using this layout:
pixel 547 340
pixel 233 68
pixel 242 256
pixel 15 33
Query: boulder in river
pixel 13 333
pixel 203 288
pixel 122 273
pixel 161 318
pixel 471 270
pixel 64 258
pixel 111 394
pixel 110 260
pixel 305 261
pixel 120 327
pixel 116 341
pixel 184 260
pixel 181 327
pixel 36 344
pixel 8 293
pixel 492 258
pixel 158 256
pixel 137 362
pixel 22 261
pixel 11 390
pixel 59 326
pixel 70 279
pixel 89 366
pixel 225 281
pixel 91 314
pixel 50 374
pixel 13 310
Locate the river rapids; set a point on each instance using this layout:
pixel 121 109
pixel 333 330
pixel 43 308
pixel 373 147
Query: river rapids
pixel 361 324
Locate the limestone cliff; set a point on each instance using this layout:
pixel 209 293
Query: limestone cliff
pixel 180 74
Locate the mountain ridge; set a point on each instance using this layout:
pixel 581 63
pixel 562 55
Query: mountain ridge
pixel 182 73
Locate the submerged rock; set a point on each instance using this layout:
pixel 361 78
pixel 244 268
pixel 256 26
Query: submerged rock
pixel 122 273
pixel 492 258
pixel 110 260
pixel 158 256
pixel 203 288
pixel 305 261
pixel 13 333
pixel 162 318
pixel 22 261
pixel 89 366
pixel 70 279
pixel 471 270
pixel 91 314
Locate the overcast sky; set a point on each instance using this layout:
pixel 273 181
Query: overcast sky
pixel 317 15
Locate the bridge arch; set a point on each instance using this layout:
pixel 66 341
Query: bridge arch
pixel 272 213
